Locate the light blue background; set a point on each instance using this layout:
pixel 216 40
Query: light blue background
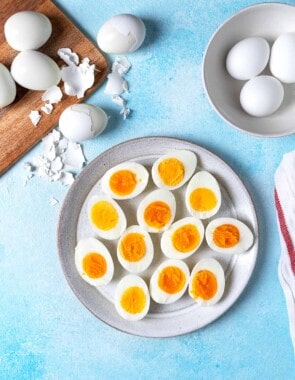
pixel 45 333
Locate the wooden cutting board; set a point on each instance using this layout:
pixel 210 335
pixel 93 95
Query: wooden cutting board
pixel 17 133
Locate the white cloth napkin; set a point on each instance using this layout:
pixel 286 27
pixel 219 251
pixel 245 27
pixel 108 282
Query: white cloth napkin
pixel 285 205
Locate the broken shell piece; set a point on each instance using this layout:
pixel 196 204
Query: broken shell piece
pixel 74 156
pixel 116 84
pixel 53 202
pixel 69 57
pixel 52 95
pixel 47 108
pixel 119 100
pixel 121 65
pixel 66 178
pixel 125 112
pixel 35 117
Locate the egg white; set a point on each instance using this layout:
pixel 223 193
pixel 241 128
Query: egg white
pixel 246 236
pixel 89 245
pixel 213 266
pixel 144 263
pixel 189 161
pixel 125 283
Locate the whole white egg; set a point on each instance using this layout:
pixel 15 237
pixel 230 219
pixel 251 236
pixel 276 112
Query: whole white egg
pixel 27 30
pixel 203 196
pixel 106 217
pixel 174 169
pixel 228 235
pixel 135 249
pixel 35 71
pixel 169 281
pixel 82 121
pixel 125 180
pixel 248 58
pixel 261 96
pixel 206 284
pixel 182 238
pixel 156 211
pixel 8 87
pixel 121 34
pixel 94 262
pixel 132 298
pixel 282 58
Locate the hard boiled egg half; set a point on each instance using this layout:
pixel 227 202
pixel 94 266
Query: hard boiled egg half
pixel 203 196
pixel 228 235
pixel 169 281
pixel 94 262
pixel 206 284
pixel 132 299
pixel 106 217
pixel 156 211
pixel 135 249
pixel 174 169
pixel 125 181
pixel 182 238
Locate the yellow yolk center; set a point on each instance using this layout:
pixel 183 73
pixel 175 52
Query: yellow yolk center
pixel 204 285
pixel 133 300
pixel 202 199
pixel 171 171
pixel 171 280
pixel 226 236
pixel 123 182
pixel 186 238
pixel 157 214
pixel 94 265
pixel 104 215
pixel 133 247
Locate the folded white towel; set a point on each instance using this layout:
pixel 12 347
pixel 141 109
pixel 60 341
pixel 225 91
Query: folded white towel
pixel 285 205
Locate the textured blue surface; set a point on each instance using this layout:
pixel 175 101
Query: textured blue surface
pixel 45 333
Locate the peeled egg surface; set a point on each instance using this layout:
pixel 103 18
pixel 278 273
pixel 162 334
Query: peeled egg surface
pixel 135 249
pixel 8 87
pixel 174 169
pixel 228 235
pixel 125 181
pixel 203 196
pixel 121 34
pixel 261 96
pixel 282 58
pixel 156 211
pixel 94 262
pixel 132 298
pixel 82 121
pixel 27 30
pixel 206 284
pixel 169 281
pixel 35 71
pixel 182 238
pixel 248 58
pixel 106 217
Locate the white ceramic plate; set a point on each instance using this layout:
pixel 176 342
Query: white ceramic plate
pixel 163 320
pixel 267 20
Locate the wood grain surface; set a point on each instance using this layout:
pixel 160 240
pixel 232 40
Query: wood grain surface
pixel 17 133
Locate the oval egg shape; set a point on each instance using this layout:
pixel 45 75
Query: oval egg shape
pixel 35 71
pixel 27 30
pixel 282 58
pixel 248 58
pixel 8 87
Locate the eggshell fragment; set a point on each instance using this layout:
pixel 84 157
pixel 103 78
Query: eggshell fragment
pixel 7 86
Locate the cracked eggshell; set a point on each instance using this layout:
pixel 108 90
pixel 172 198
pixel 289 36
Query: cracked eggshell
pixel 121 34
pixel 27 30
pixel 81 122
pixel 35 71
pixel 8 87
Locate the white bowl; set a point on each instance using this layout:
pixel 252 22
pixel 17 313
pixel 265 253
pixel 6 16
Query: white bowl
pixel 267 20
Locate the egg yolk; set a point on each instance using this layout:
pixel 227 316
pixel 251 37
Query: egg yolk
pixel 204 285
pixel 157 214
pixel 186 238
pixel 203 199
pixel 133 300
pixel 171 280
pixel 94 265
pixel 133 247
pixel 104 215
pixel 226 236
pixel 171 171
pixel 123 182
